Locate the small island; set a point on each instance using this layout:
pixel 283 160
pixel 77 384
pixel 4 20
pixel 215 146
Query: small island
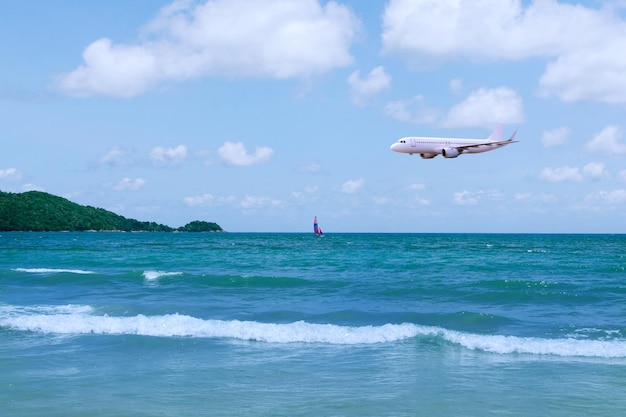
pixel 36 211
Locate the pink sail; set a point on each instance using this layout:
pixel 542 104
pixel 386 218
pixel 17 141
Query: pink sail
pixel 317 230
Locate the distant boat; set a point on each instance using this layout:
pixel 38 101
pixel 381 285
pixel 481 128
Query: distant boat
pixel 317 230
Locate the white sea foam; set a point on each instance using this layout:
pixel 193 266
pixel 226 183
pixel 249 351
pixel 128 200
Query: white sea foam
pixel 154 275
pixel 76 319
pixel 53 271
pixel 539 346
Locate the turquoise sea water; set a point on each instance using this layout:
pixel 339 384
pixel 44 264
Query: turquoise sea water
pixel 238 324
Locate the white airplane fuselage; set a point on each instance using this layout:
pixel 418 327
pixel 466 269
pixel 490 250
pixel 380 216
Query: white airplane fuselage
pixel 429 147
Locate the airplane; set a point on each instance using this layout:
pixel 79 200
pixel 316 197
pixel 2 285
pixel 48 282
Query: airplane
pixel 428 147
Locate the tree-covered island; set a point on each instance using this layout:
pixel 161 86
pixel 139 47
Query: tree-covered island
pixel 36 211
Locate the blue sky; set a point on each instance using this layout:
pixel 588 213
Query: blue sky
pixel 259 115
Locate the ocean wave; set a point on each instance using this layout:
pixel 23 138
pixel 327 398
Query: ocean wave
pixel 53 271
pixel 154 275
pixel 77 319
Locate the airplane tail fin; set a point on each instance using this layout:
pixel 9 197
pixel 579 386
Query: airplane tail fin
pixel 496 135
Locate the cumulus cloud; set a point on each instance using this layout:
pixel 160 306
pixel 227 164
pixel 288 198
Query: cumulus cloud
pixel 586 45
pixel 555 137
pixel 591 171
pixel 116 156
pixel 541 197
pixel 168 157
pixel 201 200
pixel 362 90
pixel 471 198
pixel 249 202
pixel 129 184
pixel 611 197
pixel 593 73
pixel 209 200
pixel 10 174
pixel 237 38
pixel 413 110
pixel 465 198
pixel 352 186
pixel 595 170
pixel 234 153
pixel 607 141
pixel 114 70
pixel 561 174
pixel 486 107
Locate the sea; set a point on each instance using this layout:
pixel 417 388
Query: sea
pixel 289 324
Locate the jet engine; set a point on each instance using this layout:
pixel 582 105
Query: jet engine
pixel 450 152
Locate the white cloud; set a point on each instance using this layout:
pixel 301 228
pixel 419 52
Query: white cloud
pixel 586 44
pixel 412 110
pixel 593 73
pixel 465 198
pixel 362 90
pixel 612 197
pixel 486 107
pixel 544 198
pixel 129 184
pixel 249 202
pixel 168 157
pixel 555 137
pixel 417 187
pixel 449 27
pixel 482 108
pixel 202 200
pixel 469 198
pixel 561 174
pixel 116 156
pixel 238 38
pixel 591 171
pixel 10 174
pixel 607 142
pixel 234 153
pixel 209 200
pixel 595 170
pixel 114 70
pixel 32 187
pixel 352 186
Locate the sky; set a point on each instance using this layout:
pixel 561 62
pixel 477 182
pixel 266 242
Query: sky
pixel 261 114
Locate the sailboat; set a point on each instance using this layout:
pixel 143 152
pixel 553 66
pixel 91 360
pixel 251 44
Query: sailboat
pixel 317 230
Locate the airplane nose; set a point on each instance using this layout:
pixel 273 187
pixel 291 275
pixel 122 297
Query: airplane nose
pixel 394 147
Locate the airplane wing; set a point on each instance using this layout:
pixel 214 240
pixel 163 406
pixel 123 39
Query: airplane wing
pixel 477 145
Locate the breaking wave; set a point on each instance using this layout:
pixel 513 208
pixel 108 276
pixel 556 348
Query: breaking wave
pixel 80 319
pixel 154 275
pixel 53 271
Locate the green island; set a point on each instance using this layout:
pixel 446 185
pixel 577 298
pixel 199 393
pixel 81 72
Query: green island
pixel 36 211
